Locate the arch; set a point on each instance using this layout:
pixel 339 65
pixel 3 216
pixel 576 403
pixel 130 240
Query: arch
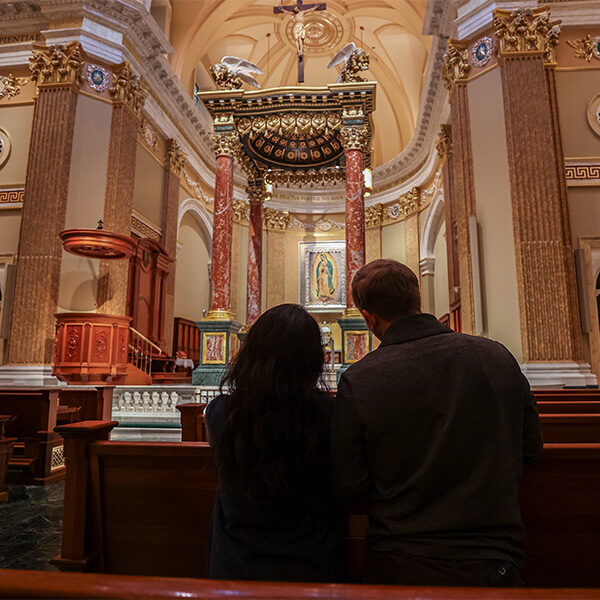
pixel 202 217
pixel 431 228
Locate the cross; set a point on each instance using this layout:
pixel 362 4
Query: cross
pixel 299 34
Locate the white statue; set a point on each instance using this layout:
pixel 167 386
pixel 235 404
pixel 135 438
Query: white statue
pixel 232 71
pixel 299 27
pixel 355 59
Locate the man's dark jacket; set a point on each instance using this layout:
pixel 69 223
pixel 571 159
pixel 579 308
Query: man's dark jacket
pixel 434 427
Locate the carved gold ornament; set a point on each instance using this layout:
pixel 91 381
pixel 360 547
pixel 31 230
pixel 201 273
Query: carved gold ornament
pixel 240 211
pixel 374 215
pixel 525 30
pixel 256 192
pixel 354 59
pixel 57 64
pixel 406 205
pixel 232 72
pixel 456 66
pixel 148 134
pixel 225 144
pixel 355 138
pixel 175 157
pixel 291 125
pixel 11 86
pixel 127 88
pixel 443 143
pixel 317 177
pixel 275 219
pixel 586 47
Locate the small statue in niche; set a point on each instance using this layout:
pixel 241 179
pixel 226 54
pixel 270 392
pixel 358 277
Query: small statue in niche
pixel 355 60
pixel 232 72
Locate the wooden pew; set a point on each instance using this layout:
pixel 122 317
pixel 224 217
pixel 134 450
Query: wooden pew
pixel 41 584
pixel 193 426
pixel 145 508
pixel 571 407
pixel 570 428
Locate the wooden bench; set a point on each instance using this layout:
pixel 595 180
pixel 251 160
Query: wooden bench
pixel 569 407
pixel 570 428
pixel 41 584
pixel 145 508
pixel 37 452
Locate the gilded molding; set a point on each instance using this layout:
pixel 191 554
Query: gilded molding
pixel 290 124
pixel 456 66
pixel 276 219
pixel 175 157
pixel 127 88
pixel 144 230
pixel 525 31
pixel 225 144
pixel 247 164
pixel 241 211
pixel 57 64
pixel 406 205
pixel 443 143
pixel 10 85
pixel 355 138
pixel 374 215
pixel 586 48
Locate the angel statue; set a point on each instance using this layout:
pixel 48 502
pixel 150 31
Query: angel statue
pixel 355 60
pixel 232 72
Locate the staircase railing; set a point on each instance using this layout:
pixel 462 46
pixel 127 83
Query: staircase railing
pixel 140 351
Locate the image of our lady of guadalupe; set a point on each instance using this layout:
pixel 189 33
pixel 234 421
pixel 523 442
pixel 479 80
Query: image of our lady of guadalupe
pixel 325 277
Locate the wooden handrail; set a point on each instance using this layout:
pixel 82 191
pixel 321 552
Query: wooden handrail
pixel 138 334
pixel 43 584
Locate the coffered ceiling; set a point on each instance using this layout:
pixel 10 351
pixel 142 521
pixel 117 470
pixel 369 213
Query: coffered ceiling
pixel 203 31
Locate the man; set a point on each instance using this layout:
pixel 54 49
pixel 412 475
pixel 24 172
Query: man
pixel 433 428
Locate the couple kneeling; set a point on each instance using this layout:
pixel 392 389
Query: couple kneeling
pixel 432 429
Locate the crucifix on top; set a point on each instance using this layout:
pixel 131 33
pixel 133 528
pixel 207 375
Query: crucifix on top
pixel 300 10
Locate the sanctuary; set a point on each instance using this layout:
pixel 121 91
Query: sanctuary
pixel 170 169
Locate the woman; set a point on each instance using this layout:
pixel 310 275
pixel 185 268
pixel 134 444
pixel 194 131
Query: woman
pixel 275 513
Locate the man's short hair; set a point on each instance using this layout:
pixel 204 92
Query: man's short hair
pixel 386 288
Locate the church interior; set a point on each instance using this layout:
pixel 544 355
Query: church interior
pixel 170 169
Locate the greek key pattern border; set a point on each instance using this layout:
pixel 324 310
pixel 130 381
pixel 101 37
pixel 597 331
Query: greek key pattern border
pixel 144 230
pixel 11 197
pixel 582 174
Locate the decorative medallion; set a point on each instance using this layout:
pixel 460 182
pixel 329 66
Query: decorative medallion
pixel 5 145
pixel 482 51
pixel 323 31
pixel 586 47
pixel 148 135
pixel 98 78
pixel 593 115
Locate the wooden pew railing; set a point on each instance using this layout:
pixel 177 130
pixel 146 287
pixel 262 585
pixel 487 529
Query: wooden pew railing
pixel 145 509
pixel 41 584
pixel 186 338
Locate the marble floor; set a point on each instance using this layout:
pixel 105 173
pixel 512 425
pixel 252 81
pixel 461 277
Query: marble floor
pixel 30 526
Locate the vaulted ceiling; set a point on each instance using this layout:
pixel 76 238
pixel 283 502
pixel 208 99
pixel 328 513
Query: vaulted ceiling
pixel 203 31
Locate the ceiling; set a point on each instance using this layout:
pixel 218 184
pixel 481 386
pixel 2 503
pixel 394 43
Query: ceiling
pixel 203 31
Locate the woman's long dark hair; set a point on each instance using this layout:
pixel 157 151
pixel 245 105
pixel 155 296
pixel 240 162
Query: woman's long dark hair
pixel 273 435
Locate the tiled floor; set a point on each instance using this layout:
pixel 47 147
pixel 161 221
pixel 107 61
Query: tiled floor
pixel 30 526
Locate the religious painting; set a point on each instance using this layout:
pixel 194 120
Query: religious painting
pixel 214 348
pixel 356 345
pixel 323 276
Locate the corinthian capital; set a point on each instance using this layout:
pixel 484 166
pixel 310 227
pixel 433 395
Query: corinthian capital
pixel 456 65
pixel 355 138
pixel 225 144
pixel 525 31
pixel 175 158
pixel 275 219
pixel 127 88
pixel 57 64
pixel 443 144
pixel 256 191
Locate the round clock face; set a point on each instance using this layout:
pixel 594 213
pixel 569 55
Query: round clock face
pixel 4 147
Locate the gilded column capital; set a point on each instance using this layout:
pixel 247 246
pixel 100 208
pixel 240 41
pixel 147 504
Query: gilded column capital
pixel 175 157
pixel 127 88
pixel 57 64
pixel 256 191
pixel 374 215
pixel 526 31
pixel 456 66
pixel 11 86
pixel 443 143
pixel 225 144
pixel 276 220
pixel 240 211
pixel 355 138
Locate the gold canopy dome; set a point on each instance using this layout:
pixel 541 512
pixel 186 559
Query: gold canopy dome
pixel 203 31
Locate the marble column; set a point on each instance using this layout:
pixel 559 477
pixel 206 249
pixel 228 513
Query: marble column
pixel 550 328
pixel 57 71
pixel 256 195
pixel 128 98
pixel 455 72
pixel 174 165
pixel 354 140
pixel 220 304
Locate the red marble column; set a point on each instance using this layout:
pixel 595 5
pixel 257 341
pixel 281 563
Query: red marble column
pixel 355 221
pixel 220 305
pixel 255 239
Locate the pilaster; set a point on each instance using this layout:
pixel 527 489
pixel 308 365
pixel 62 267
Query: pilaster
pixel 57 71
pixel 275 223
